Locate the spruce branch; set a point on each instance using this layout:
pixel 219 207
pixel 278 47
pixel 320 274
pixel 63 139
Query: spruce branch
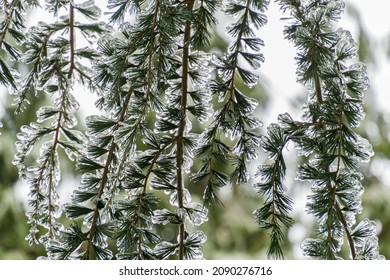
pixel 36 56
pixel 72 40
pixel 235 116
pixel 51 73
pixel 321 62
pixel 127 175
pixel 12 27
pixel 182 124
pixel 275 211
pixel 104 178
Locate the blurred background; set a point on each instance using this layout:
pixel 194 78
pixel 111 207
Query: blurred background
pixel 231 230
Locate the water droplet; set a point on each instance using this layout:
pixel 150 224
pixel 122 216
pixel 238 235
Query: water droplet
pixel 173 200
pixel 370 249
pixel 165 249
pixel 187 164
pixel 159 216
pixel 197 214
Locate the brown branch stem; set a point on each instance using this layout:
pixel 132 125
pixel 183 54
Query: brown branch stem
pixel 182 125
pixel 71 40
pixel 104 178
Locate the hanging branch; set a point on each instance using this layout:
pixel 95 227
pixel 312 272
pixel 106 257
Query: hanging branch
pixel 333 110
pixel 182 127
pixel 187 95
pixel 12 28
pixel 132 64
pixel 50 73
pixel 277 205
pixel 235 117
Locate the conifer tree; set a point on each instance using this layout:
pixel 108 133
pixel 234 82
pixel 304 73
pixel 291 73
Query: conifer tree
pixel 175 114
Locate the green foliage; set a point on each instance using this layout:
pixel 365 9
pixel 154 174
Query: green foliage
pixel 325 135
pixel 174 115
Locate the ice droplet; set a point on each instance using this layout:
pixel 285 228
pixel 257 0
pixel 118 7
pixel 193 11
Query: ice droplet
pixel 158 217
pixel 364 229
pixel 174 200
pixel 197 214
pixel 370 249
pixel 193 244
pixel 187 164
pixel 165 249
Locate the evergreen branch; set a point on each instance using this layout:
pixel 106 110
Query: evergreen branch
pixel 43 47
pixel 233 92
pixel 149 171
pixel 136 127
pixel 7 21
pixel 182 125
pixel 10 9
pixel 332 188
pixel 36 189
pixel 339 159
pixel 235 115
pixel 151 49
pixel 46 191
pixel 132 227
pixel 52 69
pixel 54 149
pixel 142 114
pixel 333 204
pixel 122 7
pixel 347 231
pixel 96 213
pixel 203 19
pixel 32 78
pixel 213 151
pixel 104 177
pixel 47 56
pixel 236 51
pixel 12 16
pixel 71 40
pixel 145 92
pixel 320 62
pixel 275 210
